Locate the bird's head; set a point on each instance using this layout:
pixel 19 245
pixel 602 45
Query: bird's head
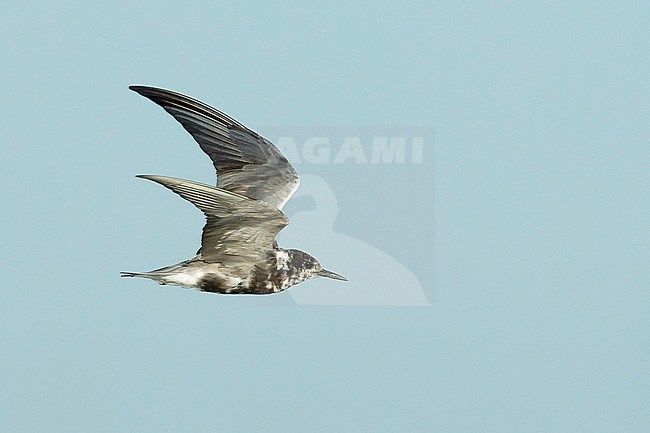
pixel 309 267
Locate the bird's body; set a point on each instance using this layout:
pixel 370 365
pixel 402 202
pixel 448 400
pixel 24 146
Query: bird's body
pixel 282 271
pixel 239 254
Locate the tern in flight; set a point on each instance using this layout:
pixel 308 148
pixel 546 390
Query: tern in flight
pixel 239 253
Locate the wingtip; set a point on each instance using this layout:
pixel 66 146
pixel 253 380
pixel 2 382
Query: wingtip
pixel 144 90
pixel 151 177
pixel 146 176
pixel 165 180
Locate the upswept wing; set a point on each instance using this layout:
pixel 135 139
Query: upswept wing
pixel 239 231
pixel 246 163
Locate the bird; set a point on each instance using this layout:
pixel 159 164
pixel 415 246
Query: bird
pixel 239 253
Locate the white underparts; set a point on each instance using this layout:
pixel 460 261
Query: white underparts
pixel 189 278
pixel 282 260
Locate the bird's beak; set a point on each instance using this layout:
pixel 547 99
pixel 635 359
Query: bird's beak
pixel 329 274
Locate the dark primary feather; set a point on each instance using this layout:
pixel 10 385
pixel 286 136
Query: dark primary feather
pixel 246 163
pixel 239 231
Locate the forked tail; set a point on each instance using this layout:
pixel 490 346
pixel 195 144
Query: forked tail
pixel 151 275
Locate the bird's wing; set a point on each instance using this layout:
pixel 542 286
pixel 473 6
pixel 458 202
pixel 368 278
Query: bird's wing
pixel 246 163
pixel 239 231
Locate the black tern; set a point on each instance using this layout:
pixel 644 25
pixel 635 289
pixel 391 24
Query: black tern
pixel 239 253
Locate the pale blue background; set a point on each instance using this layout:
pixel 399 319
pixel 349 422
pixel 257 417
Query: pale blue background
pixel 541 298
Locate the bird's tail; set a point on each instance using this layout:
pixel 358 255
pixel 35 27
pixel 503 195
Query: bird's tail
pixel 151 275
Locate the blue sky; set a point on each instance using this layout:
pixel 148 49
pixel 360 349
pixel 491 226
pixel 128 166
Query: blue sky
pixel 526 224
